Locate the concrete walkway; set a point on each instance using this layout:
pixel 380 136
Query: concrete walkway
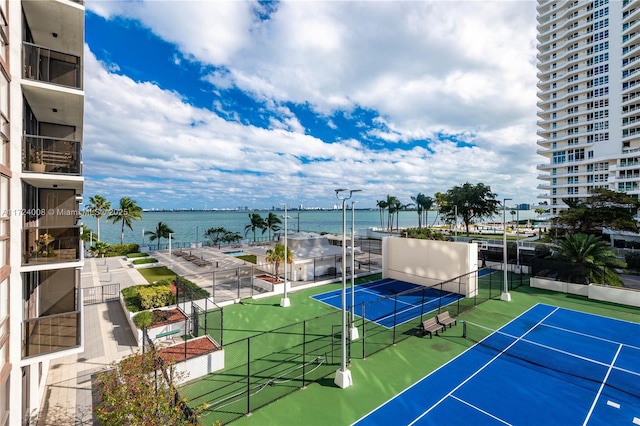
pixel 107 338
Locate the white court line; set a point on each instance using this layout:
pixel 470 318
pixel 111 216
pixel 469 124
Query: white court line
pixel 412 307
pixel 589 335
pixel 480 410
pixel 595 400
pixel 482 368
pixel 443 366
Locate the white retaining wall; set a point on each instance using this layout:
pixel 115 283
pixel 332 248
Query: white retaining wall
pixel 430 262
pixel 624 296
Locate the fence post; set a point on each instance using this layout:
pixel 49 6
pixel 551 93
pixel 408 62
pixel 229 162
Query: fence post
pixel 249 375
pixel 395 310
pixel 238 280
pixel 213 285
pixel 304 353
pixel 364 353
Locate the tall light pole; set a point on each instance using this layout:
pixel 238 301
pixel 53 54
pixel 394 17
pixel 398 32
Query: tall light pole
pixel 455 228
pixel 343 375
pixel 285 302
pixel 505 294
pixel 197 236
pixel 353 330
pixel 518 238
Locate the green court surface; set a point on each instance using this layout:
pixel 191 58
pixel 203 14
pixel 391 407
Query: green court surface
pixel 386 373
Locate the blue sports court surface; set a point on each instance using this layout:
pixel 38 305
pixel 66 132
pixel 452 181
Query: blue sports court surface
pixel 411 301
pixel 550 366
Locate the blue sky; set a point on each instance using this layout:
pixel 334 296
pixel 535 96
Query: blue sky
pixel 220 104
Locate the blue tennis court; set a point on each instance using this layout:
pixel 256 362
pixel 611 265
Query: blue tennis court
pixel 410 302
pixel 550 366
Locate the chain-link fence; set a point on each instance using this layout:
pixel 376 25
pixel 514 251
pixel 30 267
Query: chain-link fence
pixel 265 367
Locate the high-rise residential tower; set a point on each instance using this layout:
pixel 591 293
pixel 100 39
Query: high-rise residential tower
pixel 41 121
pixel 589 91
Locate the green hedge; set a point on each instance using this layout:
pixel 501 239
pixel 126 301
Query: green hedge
pixel 155 296
pixel 121 249
pixel 144 261
pixel 134 255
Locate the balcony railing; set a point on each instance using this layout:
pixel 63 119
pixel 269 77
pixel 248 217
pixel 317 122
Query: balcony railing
pixel 42 64
pixel 50 245
pixel 51 333
pixel 51 155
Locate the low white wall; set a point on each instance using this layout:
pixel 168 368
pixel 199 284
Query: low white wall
pixel 200 366
pixel 624 296
pixel 559 286
pixel 430 262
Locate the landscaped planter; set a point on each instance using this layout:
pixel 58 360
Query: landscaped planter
pixel 175 323
pixel 268 283
pixel 194 358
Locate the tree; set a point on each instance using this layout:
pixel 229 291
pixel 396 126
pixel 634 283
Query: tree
pixel 540 211
pixel 215 234
pixel 594 254
pixel 87 234
pixel 162 231
pixel 275 255
pixel 603 209
pixel 439 202
pixel 472 202
pixel 257 222
pixel 513 216
pixel 126 212
pixel 99 248
pixel 143 320
pixel 98 206
pixel 382 205
pixel 423 203
pixel 393 206
pixel 139 390
pixel 272 223
pixel 230 237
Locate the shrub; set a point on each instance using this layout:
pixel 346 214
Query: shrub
pixel 145 261
pixel 121 249
pixel 155 296
pixel 134 255
pixel 143 319
pixel 633 260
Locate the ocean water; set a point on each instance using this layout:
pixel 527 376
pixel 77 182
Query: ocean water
pixel 190 226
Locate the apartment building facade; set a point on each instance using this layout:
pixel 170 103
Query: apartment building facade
pixel 41 184
pixel 589 98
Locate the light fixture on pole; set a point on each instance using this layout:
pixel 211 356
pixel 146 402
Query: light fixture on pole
pixel 285 302
pixel 455 228
pixel 343 375
pixel 505 294
pixel 353 330
pixel 517 239
pixel 170 260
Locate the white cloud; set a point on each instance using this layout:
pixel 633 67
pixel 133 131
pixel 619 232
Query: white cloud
pixel 459 68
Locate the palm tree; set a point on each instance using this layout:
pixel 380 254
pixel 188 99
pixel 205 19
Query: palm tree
pixel 87 234
pixel 162 231
pixel 126 212
pixel 276 256
pixel 382 205
pixel 272 223
pixel 98 206
pixel 440 201
pixel 99 248
pixel 393 206
pixel 257 222
pixel 594 254
pixel 423 203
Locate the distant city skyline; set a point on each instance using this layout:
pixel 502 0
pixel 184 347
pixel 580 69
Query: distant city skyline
pixel 255 103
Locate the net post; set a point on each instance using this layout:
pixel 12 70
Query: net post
pixel 464 329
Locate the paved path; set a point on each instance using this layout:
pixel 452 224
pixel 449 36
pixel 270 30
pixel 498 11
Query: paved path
pixel 68 398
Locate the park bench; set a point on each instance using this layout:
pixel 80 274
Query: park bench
pixel 445 319
pixel 431 325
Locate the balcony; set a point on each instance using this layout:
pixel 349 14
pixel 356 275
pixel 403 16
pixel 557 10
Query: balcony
pixel 50 66
pixel 51 334
pixel 43 154
pixel 46 245
pixel 52 311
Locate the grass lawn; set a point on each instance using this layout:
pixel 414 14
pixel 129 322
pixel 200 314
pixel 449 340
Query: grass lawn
pixel 383 375
pixel 156 274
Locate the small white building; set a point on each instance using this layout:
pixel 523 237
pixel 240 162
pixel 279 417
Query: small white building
pixel 313 256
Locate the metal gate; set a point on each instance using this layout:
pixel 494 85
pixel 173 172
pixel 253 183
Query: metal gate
pixel 101 293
